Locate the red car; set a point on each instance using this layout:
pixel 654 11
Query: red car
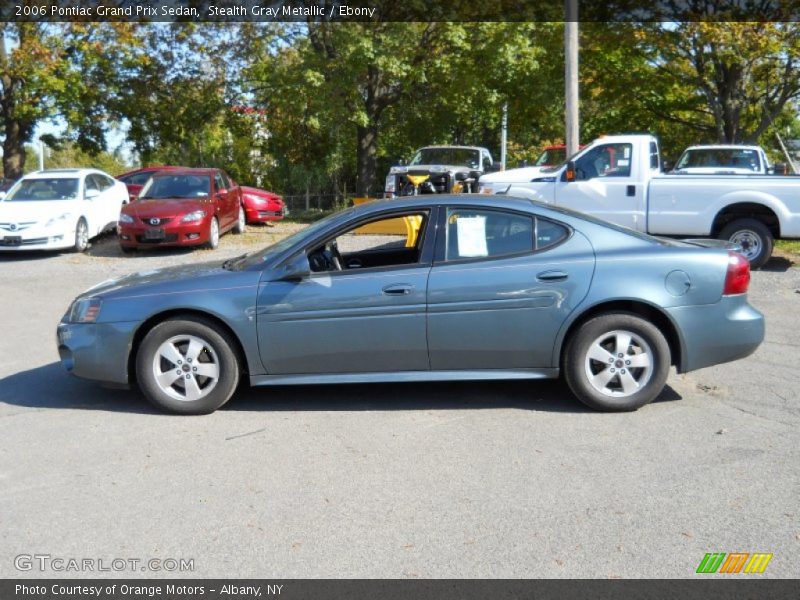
pixel 261 206
pixel 135 180
pixel 182 207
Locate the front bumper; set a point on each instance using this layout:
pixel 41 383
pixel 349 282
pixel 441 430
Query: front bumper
pixel 263 214
pixel 41 239
pixel 177 234
pixel 97 351
pixel 711 334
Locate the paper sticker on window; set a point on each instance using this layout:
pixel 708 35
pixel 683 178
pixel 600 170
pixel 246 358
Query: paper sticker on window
pixel 623 162
pixel 471 233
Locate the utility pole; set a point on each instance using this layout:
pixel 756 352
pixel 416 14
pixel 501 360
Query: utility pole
pixel 571 75
pixel 41 155
pixel 504 137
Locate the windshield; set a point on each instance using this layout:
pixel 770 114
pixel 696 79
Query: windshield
pixel 176 186
pixel 55 188
pixel 447 156
pixel 720 158
pixel 555 168
pixel 551 156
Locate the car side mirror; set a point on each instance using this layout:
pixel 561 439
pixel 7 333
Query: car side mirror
pixel 493 168
pixel 91 194
pixel 296 268
pixel 569 172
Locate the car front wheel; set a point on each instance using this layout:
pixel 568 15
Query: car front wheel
pixel 187 366
pixel 241 221
pixel 617 362
pixel 81 236
pixel 213 233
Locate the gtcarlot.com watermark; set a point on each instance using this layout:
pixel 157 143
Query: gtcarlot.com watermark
pixel 65 564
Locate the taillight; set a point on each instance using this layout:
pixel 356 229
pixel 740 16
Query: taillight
pixel 737 279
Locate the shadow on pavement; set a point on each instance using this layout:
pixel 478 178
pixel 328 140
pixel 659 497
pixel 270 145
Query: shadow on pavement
pixel 50 387
pixel 778 264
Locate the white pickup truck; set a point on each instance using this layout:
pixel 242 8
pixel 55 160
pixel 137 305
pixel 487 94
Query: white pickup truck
pixel 618 178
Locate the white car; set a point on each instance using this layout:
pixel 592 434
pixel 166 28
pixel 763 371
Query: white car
pixel 59 208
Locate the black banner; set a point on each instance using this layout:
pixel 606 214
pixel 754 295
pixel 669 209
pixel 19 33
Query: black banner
pixel 396 11
pixel 438 589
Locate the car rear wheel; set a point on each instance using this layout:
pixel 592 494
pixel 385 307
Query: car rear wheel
pixel 81 236
pixel 187 366
pixel 213 233
pixel 753 236
pixel 617 362
pixel 241 223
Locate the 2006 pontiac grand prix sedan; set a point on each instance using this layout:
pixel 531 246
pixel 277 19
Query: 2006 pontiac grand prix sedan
pixel 423 289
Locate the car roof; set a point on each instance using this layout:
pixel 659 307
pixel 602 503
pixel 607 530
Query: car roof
pixel 188 171
pixel 150 169
pixel 724 147
pixel 66 173
pixel 441 146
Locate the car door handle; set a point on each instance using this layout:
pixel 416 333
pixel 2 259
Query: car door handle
pixel 552 276
pixel 398 290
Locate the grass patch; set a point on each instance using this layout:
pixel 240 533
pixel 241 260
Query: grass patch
pixel 789 247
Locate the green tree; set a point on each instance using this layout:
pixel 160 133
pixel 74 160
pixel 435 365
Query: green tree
pixel 59 70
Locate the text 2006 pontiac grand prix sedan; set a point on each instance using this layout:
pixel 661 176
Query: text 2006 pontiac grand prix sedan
pixel 423 289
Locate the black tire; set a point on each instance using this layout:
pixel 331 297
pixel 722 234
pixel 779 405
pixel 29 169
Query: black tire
pixel 646 338
pixel 241 223
pixel 81 242
pixel 217 349
pixel 754 237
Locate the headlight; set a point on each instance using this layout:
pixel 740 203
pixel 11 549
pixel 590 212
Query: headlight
pixel 54 220
pixel 193 216
pixel 123 218
pixel 486 188
pixel 85 310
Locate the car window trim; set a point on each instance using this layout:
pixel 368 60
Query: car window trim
pixel 440 252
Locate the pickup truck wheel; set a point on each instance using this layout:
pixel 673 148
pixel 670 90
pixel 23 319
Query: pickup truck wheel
pixel 753 236
pixel 616 362
pixel 187 366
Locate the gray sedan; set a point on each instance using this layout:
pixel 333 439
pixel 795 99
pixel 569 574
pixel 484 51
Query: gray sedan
pixel 423 289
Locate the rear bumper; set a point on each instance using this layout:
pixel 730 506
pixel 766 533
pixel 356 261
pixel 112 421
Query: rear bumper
pixel 717 333
pixel 97 351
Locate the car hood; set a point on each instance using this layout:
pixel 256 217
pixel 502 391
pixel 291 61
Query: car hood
pixel 513 175
pixel 22 212
pixel 715 171
pixel 164 208
pixel 456 168
pixel 184 278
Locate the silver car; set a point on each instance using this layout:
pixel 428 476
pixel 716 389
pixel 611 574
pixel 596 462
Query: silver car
pixel 423 289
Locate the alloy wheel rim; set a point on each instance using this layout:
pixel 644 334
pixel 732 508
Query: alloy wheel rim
pixel 214 232
pixel 241 219
pixel 749 241
pixel 83 234
pixel 619 363
pixel 186 368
